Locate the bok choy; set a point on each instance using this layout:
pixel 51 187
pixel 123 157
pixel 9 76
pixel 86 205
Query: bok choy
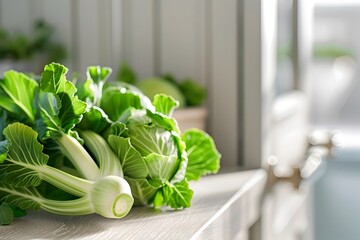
pixel 158 160
pixel 39 117
pixel 96 147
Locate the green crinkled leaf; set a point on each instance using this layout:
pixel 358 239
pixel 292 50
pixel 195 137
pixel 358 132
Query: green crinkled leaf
pixel 85 92
pixel 24 155
pixel 150 136
pixel 95 119
pixel 159 200
pixel 70 108
pixel 17 92
pixel 48 123
pixel 131 161
pixel 6 214
pixel 98 74
pixel 177 195
pixel 144 190
pixel 152 139
pixel 119 129
pixel 53 79
pixel 203 157
pixel 18 176
pixel 18 212
pixel 180 175
pixel 163 121
pixel 71 111
pixel 21 197
pixel 3 123
pixel 7 104
pixel 160 166
pixel 4 148
pixel 138 117
pixel 125 97
pixel 115 103
pixel 165 104
pixel 93 86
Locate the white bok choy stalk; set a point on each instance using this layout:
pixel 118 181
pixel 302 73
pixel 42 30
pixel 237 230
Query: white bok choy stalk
pixel 25 167
pixel 43 163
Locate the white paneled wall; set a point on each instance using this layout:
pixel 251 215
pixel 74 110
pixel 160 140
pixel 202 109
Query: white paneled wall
pixel 189 38
pixel 140 36
pixel 59 15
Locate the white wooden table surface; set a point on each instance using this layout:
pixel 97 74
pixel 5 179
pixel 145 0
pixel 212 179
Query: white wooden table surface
pixel 223 205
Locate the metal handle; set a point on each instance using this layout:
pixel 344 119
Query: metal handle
pixel 324 139
pixel 298 173
pixel 317 143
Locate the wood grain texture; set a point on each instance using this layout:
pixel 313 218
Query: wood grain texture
pixel 223 206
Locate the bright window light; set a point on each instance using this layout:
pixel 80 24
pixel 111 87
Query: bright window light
pixel 337 3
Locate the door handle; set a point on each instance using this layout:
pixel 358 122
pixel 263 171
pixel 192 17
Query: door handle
pixel 298 174
pixel 324 140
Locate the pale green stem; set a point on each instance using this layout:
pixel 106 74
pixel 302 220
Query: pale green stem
pixel 109 163
pixel 79 157
pixel 67 182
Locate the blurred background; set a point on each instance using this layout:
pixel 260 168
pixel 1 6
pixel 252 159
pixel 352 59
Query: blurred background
pixel 188 39
pixel 243 57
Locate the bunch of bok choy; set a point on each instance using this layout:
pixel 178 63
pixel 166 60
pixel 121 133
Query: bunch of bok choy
pixel 97 147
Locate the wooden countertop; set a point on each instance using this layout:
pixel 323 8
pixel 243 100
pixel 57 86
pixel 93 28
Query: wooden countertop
pixel 223 205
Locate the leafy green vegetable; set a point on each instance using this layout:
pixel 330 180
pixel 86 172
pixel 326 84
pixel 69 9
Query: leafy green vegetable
pixel 202 154
pixel 74 181
pixel 151 141
pixel 91 92
pixel 126 74
pixel 165 104
pixel 17 94
pixel 6 214
pixel 99 147
pixel 124 97
pixel 60 111
pixel 195 94
pixel 187 91
pixel 26 167
pixel 148 142
pixel 152 86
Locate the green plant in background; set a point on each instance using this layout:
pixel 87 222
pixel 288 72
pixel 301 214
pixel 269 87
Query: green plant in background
pixel 187 91
pixel 18 46
pixel 126 74
pixel 323 51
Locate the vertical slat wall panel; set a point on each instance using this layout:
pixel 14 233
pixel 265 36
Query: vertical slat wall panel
pixel 180 51
pixel 187 38
pixel 139 37
pixel 87 34
pixel 253 98
pixel 202 42
pixel 17 15
pixel 36 9
pixel 104 35
pixel 127 31
pixel 224 79
pixel 117 30
pixel 59 14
